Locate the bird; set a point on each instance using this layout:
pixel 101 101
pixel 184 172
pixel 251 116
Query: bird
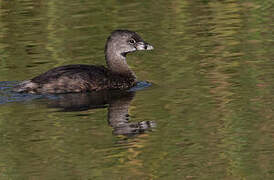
pixel 77 78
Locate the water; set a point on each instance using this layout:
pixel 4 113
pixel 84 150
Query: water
pixel 207 114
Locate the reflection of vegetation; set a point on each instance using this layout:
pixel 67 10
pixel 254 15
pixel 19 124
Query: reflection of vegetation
pixel 213 102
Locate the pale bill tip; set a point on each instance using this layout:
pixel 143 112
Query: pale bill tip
pixel 149 47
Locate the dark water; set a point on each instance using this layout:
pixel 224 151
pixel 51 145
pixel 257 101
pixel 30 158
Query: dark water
pixel 209 113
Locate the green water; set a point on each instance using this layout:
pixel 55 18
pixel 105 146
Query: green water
pixel 211 100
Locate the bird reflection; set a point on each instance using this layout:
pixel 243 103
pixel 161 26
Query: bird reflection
pixel 117 103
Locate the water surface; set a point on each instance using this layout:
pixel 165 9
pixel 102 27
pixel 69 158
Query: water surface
pixel 209 113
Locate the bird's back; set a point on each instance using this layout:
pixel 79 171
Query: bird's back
pixel 76 78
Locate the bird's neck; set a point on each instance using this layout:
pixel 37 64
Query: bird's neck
pixel 117 63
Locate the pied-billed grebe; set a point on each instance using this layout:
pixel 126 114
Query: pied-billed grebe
pixel 84 78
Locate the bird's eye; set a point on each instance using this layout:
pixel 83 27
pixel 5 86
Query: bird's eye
pixel 131 41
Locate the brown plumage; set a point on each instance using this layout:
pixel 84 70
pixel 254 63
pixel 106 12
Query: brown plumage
pixel 84 78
